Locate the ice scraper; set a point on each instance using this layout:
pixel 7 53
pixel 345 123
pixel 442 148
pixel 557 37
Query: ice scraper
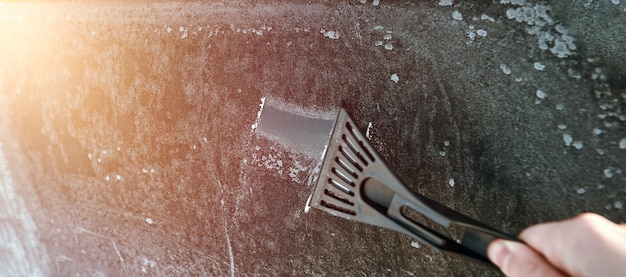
pixel 355 183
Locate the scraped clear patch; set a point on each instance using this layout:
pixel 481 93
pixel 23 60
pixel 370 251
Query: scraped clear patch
pixel 302 130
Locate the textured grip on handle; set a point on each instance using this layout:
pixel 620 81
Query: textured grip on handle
pixel 477 241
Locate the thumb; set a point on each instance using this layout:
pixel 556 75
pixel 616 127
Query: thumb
pixel 517 259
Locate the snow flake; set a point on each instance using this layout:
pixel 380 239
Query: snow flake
pixel 578 144
pixel 505 68
pixel 541 94
pixel 608 173
pixel 332 34
pixel 368 133
pixel 568 139
pixel 415 244
pixel 539 66
pixel 560 107
pixel 457 15
pixel 395 78
pixel 487 17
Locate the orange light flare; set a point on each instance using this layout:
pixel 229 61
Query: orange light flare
pixel 24 37
pixel 37 43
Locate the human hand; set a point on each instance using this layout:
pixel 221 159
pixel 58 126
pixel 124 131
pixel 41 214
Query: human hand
pixel 586 245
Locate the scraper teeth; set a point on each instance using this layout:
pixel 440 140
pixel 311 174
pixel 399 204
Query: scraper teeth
pixel 333 193
pixel 350 158
pixel 346 164
pixel 359 140
pixel 342 176
pixel 352 146
pixel 337 202
pixel 341 187
pixel 338 208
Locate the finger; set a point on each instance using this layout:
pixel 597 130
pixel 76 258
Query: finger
pixel 517 259
pixel 550 239
pixel 580 245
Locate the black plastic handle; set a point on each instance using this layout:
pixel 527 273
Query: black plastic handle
pixel 476 237
pixel 477 241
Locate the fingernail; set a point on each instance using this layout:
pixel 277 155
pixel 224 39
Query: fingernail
pixel 499 253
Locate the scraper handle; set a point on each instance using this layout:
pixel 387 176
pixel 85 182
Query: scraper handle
pixel 473 245
pixel 476 236
pixel 478 242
